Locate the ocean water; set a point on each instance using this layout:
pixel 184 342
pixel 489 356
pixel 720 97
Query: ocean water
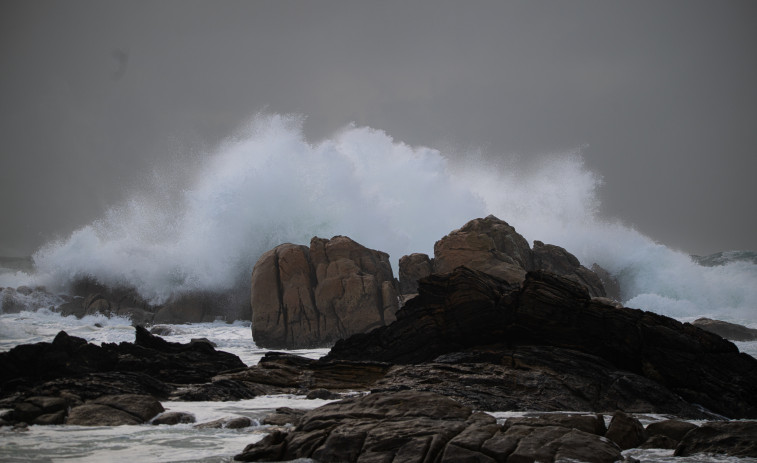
pixel 201 225
pixel 182 443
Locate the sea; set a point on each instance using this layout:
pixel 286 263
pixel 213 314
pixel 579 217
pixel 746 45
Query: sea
pixel 201 225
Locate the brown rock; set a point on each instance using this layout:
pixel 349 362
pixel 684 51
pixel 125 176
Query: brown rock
pixel 557 260
pixel 307 297
pixel 489 245
pixel 412 268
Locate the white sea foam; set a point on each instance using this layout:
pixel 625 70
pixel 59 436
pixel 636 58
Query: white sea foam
pixel 269 185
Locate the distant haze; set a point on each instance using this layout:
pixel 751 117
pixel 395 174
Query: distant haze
pixel 658 97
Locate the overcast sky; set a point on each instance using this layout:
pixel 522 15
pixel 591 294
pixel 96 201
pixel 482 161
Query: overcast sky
pixel 662 95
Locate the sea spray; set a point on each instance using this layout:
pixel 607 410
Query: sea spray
pixel 268 185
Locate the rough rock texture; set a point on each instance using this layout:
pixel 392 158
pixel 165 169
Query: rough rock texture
pixel 735 438
pixel 626 431
pixel 492 246
pixel 467 308
pixel 40 379
pixel 307 297
pixel 412 268
pixel 115 411
pixel 731 331
pixel 417 426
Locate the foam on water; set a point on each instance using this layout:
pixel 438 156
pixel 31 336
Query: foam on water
pixel 269 185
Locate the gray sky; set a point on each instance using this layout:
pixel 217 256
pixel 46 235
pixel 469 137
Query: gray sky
pixel 662 93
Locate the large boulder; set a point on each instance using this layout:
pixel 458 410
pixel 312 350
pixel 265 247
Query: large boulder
pixel 492 246
pixel 467 308
pixel 311 297
pixel 735 438
pixel 412 268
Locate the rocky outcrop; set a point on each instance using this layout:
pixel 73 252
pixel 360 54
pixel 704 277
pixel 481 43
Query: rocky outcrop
pixel 115 411
pixel 468 308
pixel 734 438
pixel 308 297
pixel 41 381
pixel 418 426
pixel 731 331
pixel 492 246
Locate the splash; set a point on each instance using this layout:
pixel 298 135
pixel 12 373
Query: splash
pixel 269 185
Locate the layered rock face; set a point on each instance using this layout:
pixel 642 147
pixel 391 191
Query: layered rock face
pixel 308 297
pixel 469 309
pixel 492 246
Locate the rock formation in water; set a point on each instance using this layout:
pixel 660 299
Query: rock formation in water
pixel 492 246
pixel 468 309
pixel 731 331
pixel 307 297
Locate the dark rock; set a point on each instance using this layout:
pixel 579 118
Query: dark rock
pixel 324 394
pixel 307 297
pixel 417 426
pixel 593 424
pixel 217 390
pixel 412 268
pixel 467 308
pixel 58 417
pixel 734 438
pixel 160 330
pixel 659 442
pixel 555 259
pixel 626 431
pixel 674 429
pixel 238 422
pixel 731 331
pixel 115 411
pixel 609 282
pixel 284 416
pixel 173 418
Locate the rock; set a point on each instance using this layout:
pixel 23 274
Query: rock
pixel 88 371
pixel 310 297
pixel 492 246
pixel 323 394
pixel 731 331
pixel 557 260
pixel 238 422
pixel 417 426
pixel 593 424
pixel 674 429
pixel 488 245
pixel 626 431
pixel 734 438
pixel 173 418
pixel 115 411
pixel 659 442
pixel 609 282
pixel 284 416
pixel 467 308
pixel 412 268
pixel 96 303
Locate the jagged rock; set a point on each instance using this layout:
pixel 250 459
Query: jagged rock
pixel 412 268
pixel 70 365
pixel 307 297
pixel 732 331
pixel 418 426
pixel 557 260
pixel 284 416
pixel 593 424
pixel 238 422
pixel 666 434
pixel 466 308
pixel 609 282
pixel 735 438
pixel 626 431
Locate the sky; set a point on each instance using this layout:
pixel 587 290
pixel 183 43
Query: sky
pixel 660 97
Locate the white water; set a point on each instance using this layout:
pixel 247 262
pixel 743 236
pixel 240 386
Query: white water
pixel 269 185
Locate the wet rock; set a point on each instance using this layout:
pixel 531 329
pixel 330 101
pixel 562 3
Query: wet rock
pixel 467 308
pixel 734 438
pixel 324 394
pixel 674 429
pixel 238 422
pixel 115 411
pixel 173 418
pixel 307 297
pixel 412 268
pixel 417 426
pixel 626 431
pixel 731 331
pixel 284 416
